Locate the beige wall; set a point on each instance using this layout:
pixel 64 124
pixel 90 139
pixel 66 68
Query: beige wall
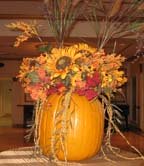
pixel 10 70
pixel 137 69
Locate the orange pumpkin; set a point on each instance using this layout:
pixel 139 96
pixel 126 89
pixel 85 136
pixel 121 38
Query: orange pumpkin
pixel 85 128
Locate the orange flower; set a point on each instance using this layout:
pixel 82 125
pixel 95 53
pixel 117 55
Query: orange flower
pixel 41 73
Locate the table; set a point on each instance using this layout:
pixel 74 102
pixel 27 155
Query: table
pixel 25 157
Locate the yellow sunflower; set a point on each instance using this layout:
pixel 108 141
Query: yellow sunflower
pixel 59 62
pixel 84 49
pixel 63 60
pixel 84 53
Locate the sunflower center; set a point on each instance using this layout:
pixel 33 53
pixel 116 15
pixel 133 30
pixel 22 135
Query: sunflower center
pixel 79 61
pixel 63 62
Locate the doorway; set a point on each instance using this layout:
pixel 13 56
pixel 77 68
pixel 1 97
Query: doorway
pixel 5 102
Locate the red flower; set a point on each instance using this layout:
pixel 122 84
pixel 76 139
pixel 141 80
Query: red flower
pixel 93 81
pixel 46 79
pixel 60 87
pixel 51 90
pixel 81 91
pixel 90 94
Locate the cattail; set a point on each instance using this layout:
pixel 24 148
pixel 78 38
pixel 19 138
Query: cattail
pixel 115 8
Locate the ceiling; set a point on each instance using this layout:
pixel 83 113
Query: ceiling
pixel 28 10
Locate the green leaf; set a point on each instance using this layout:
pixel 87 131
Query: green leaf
pixel 33 77
pixel 45 48
pixel 67 81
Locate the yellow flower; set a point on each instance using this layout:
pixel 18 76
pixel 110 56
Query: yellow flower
pixel 84 49
pixel 76 78
pixel 63 60
pixel 59 62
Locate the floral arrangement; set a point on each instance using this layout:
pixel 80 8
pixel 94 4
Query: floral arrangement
pixel 87 70
pixel 79 68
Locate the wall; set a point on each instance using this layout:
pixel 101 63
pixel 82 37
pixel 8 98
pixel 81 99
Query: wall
pixel 136 69
pixel 10 70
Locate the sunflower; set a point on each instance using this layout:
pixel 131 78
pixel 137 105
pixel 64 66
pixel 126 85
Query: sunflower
pixel 84 49
pixel 59 62
pixel 62 61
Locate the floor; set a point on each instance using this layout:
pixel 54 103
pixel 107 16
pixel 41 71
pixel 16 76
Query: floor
pixel 14 137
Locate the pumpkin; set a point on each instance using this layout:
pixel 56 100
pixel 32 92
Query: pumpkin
pixel 84 130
